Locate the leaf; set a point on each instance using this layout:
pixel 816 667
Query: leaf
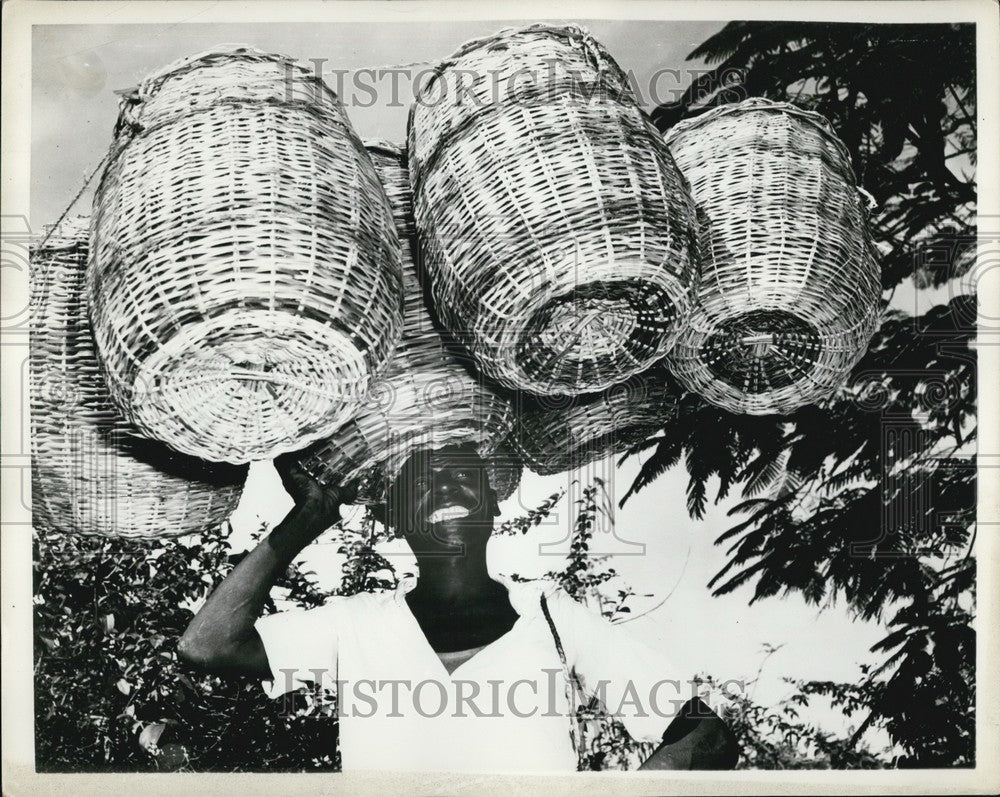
pixel 172 756
pixel 124 687
pixel 151 735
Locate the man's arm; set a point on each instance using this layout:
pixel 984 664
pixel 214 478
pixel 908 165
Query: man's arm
pixel 696 739
pixel 222 638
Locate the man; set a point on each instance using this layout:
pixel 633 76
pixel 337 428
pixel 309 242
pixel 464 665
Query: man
pixel 456 670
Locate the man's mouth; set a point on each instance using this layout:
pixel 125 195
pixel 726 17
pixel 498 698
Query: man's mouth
pixel 452 512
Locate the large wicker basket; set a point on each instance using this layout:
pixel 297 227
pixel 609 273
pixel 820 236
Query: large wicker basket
pixel 245 279
pixel 560 434
pixel 559 236
pixel 789 293
pixel 91 473
pixel 427 397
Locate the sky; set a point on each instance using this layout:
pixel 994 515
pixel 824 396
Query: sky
pixel 658 549
pixel 76 69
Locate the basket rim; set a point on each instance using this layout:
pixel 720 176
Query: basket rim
pixel 568 30
pixel 702 323
pixel 746 106
pixel 69 233
pixel 248 52
pixel 571 31
pixel 766 105
pixel 754 104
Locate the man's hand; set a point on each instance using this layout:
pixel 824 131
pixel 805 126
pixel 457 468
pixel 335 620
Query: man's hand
pixel 696 739
pixel 309 493
pixel 222 637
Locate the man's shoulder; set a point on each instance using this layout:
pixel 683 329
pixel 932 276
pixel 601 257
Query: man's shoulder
pixel 361 601
pixel 349 605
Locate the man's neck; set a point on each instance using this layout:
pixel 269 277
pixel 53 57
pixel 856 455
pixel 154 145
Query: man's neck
pixel 459 579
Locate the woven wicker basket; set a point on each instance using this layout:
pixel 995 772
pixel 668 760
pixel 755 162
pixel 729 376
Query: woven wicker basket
pixel 560 434
pixel 245 279
pixel 504 469
pixel 427 398
pixel 559 236
pixel 789 294
pixel 91 473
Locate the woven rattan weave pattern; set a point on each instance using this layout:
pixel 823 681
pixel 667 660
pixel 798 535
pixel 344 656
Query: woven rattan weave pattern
pixel 789 292
pixel 245 282
pixel 504 470
pixel 557 434
pixel 427 398
pixel 91 473
pixel 559 236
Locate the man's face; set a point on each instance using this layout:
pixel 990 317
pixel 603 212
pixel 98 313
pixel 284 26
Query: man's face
pixel 442 501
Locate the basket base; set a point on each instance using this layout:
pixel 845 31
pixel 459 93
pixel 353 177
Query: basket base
pixel 595 336
pixel 248 385
pixel 762 351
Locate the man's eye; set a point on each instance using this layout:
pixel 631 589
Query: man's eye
pixel 464 475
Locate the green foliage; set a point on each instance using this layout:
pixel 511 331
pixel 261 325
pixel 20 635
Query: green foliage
pixel 524 523
pixel 364 569
pixel 110 693
pixel 869 496
pixel 777 738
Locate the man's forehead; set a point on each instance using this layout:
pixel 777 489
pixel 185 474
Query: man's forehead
pixel 450 456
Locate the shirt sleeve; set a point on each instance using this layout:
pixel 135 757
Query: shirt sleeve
pixel 632 676
pixel 301 648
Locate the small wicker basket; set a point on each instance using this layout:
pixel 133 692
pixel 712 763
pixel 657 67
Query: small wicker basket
pixel 559 236
pixel 561 434
pixel 245 281
pixel 790 286
pixel 427 398
pixel 91 473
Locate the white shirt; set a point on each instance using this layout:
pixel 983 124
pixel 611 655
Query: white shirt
pixel 505 709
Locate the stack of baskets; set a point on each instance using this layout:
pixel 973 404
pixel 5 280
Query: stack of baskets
pixel 254 283
pixel 245 278
pixel 426 398
pixel 91 472
pixel 558 234
pixel 790 288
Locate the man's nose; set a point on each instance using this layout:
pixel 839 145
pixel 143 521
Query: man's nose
pixel 444 485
